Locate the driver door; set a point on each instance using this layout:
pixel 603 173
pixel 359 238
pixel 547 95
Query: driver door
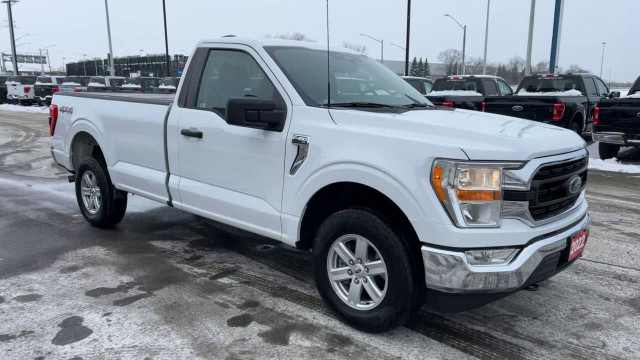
pixel 230 173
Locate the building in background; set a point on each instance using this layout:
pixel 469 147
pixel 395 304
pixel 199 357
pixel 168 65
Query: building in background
pixel 129 66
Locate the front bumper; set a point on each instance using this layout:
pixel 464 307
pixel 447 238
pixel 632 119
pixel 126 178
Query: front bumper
pixel 449 271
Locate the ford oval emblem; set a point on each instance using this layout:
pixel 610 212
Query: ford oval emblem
pixel 638 114
pixel 517 108
pixel 574 184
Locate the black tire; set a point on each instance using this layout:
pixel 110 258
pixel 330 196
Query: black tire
pixel 113 202
pixel 576 128
pixel 405 287
pixel 608 151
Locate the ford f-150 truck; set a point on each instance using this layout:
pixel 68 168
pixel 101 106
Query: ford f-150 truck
pixel 20 89
pixel 565 100
pixel 394 197
pixel 45 87
pixel 617 123
pixel 467 91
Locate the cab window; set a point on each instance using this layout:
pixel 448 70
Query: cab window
pixel 233 74
pixel 602 88
pixel 490 88
pixel 505 90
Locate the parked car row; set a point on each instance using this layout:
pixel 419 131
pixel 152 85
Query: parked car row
pixel 566 100
pixel 29 90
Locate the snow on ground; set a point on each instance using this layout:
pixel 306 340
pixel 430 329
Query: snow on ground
pixel 29 109
pixel 454 93
pixel 613 166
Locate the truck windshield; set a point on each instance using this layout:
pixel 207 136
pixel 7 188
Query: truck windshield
pixel 354 78
pixel 44 80
pixel 457 84
pixel 545 84
pixel 116 82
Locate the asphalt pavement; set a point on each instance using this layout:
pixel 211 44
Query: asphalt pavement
pixel 165 284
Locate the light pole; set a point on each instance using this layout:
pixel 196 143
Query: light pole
pixel 406 51
pixel 532 15
pixel 464 40
pixel 112 71
pixel 486 40
pixel 64 68
pixel 14 57
pixel 166 39
pixel 381 41
pixel 84 64
pixel 42 64
pixel 602 61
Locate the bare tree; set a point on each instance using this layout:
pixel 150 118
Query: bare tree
pixel 516 68
pixel 296 35
pixel 541 67
pixel 355 47
pixel 577 69
pixel 451 58
pixel 474 65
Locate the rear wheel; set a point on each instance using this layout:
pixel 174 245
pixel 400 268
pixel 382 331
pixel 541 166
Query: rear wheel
pixel 576 128
pixel 101 204
pixel 608 151
pixel 365 271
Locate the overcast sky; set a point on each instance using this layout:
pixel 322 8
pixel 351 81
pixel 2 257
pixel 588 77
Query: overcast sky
pixel 78 27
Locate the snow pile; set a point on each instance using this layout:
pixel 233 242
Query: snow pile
pixel 29 109
pixel 614 166
pixel 632 96
pixel 70 84
pixel 454 93
pixel 131 86
pixel 166 87
pixel 95 84
pixel 572 92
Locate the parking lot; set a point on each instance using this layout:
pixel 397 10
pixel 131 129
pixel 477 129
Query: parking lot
pixel 165 284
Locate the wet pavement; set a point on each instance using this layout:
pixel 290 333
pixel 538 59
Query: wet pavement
pixel 165 284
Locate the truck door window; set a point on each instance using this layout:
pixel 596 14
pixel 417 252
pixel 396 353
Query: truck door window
pixel 232 74
pixel 427 86
pixel 505 89
pixel 591 87
pixel 415 83
pixel 490 88
pixel 602 88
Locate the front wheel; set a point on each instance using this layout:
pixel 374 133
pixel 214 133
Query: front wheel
pixel 608 151
pixel 365 271
pixel 101 204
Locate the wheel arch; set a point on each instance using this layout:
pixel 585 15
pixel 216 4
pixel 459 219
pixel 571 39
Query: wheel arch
pixel 349 194
pixel 85 140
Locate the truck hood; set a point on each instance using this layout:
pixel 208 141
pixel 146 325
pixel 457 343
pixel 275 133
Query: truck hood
pixel 481 136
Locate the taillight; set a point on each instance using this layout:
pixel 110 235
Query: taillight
pixel 596 116
pixel 138 92
pixel 483 107
pixel 558 111
pixel 27 89
pixel 53 118
pixel 447 104
pixel 77 90
pixel 54 90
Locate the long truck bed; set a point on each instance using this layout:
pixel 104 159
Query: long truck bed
pixel 156 99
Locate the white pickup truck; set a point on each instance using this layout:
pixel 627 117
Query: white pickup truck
pixel 395 198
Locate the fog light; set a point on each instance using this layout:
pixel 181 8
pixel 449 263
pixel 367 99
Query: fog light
pixel 491 256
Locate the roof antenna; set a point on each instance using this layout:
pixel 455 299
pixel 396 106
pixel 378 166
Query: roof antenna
pixel 328 68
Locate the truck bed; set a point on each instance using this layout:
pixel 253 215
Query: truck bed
pixel 156 99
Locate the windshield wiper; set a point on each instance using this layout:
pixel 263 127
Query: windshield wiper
pixel 363 104
pixel 415 104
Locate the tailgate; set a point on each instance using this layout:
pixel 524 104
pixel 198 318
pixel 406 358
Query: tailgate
pixel 44 90
pixel 621 115
pixel 537 108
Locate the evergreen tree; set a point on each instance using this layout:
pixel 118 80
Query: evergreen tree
pixel 426 71
pixel 413 70
pixel 420 67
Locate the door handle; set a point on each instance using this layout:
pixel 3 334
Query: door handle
pixel 191 133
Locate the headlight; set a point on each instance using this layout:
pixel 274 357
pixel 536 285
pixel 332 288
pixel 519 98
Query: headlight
pixel 471 192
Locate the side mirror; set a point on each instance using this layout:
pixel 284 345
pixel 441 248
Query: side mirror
pixel 614 95
pixel 255 113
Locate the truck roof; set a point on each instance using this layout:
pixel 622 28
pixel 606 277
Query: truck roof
pixel 274 42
